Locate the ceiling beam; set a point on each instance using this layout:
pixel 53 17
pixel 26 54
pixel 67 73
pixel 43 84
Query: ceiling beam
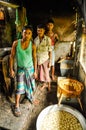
pixel 8 4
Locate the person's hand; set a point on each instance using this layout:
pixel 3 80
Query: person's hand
pixel 56 38
pixel 12 73
pixel 49 64
pixel 35 75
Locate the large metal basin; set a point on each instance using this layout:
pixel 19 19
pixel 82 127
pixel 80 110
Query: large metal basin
pixel 54 108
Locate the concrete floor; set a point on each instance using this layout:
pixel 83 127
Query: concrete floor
pixel 27 121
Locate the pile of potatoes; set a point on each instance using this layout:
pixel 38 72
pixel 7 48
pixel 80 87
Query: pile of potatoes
pixel 60 120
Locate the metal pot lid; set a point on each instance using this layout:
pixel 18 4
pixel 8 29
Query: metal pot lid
pixel 61 107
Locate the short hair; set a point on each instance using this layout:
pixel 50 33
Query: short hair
pixel 50 21
pixel 41 26
pixel 28 27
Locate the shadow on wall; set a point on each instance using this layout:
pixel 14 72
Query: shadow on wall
pixel 66 27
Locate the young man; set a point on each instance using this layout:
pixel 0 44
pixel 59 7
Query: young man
pixel 25 52
pixel 54 38
pixel 43 46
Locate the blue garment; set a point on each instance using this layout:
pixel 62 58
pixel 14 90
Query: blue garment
pixel 25 82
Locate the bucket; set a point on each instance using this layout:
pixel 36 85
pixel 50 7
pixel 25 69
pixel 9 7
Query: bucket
pixel 66 68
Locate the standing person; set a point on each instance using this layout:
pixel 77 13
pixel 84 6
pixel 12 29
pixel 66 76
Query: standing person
pixel 54 39
pixel 43 46
pixel 25 52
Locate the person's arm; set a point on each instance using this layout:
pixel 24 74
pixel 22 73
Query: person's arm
pixel 34 59
pixel 50 54
pixel 50 51
pixel 56 37
pixel 12 56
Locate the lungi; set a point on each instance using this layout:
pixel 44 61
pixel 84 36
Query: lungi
pixel 43 72
pixel 25 82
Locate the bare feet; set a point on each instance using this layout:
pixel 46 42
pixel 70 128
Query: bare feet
pixel 54 78
pixel 49 89
pixel 35 102
pixel 44 86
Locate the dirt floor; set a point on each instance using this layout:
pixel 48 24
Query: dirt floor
pixel 46 98
pixel 30 112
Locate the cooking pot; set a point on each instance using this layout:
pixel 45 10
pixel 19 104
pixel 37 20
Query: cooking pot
pixel 54 108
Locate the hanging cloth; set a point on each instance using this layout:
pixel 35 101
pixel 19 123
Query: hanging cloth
pixel 17 22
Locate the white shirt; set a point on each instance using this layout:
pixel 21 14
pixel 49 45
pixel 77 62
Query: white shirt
pixel 43 49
